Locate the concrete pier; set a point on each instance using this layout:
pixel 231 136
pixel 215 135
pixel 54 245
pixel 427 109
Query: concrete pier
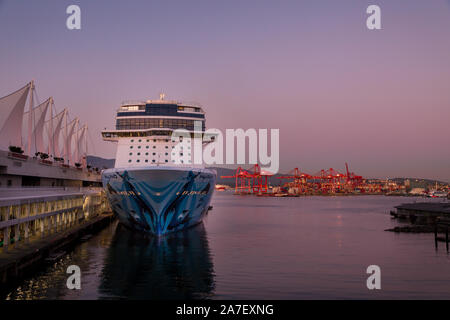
pixel 36 222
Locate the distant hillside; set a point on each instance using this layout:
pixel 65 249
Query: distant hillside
pixel 100 163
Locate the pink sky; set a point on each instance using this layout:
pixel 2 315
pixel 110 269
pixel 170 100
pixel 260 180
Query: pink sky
pixel 379 100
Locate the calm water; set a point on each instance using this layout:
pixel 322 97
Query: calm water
pixel 258 248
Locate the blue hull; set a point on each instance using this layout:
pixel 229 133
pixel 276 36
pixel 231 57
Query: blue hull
pixel 159 200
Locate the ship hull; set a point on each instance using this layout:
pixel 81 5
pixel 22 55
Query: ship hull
pixel 159 200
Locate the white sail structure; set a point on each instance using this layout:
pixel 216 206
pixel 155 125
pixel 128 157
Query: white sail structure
pixel 37 140
pixel 70 129
pixel 11 113
pixel 82 145
pixel 55 145
pixel 37 130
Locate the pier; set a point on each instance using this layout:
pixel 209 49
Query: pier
pixel 36 222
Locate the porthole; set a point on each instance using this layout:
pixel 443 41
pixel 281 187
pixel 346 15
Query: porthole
pixel 167 160
pixel 167 154
pixel 138 153
pixel 146 147
pixel 153 160
pixel 129 160
pixel 154 153
pixel 167 147
pixel 131 147
pixel 139 147
pixel 139 140
pixel 146 160
pixel 137 160
pixel 146 153
pixel 132 140
pixel 131 153
pixel 154 147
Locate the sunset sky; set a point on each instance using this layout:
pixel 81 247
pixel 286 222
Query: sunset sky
pixel 338 92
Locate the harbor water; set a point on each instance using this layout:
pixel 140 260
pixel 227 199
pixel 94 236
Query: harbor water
pixel 256 248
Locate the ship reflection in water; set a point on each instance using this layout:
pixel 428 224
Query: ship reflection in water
pixel 178 266
pixel 118 263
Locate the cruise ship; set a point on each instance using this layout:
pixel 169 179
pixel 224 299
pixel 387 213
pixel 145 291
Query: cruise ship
pixel 156 186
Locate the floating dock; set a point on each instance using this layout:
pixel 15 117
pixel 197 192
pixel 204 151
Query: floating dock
pixel 423 212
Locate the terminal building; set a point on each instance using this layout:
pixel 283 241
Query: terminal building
pixel 40 147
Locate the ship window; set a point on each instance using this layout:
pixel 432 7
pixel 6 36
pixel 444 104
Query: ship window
pixel 167 154
pixel 167 140
pixel 138 153
pixel 146 160
pixel 147 146
pixel 132 140
pixel 154 147
pixel 154 140
pixel 167 160
pixel 131 153
pixel 139 147
pixel 181 161
pixel 154 154
pixel 181 153
pixel 140 140
pixel 148 141
pixel 131 147
pixel 167 147
pixel 146 153
pixel 137 160
pixel 153 160
pixel 129 160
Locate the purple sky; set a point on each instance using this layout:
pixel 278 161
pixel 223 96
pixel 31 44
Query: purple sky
pixel 379 100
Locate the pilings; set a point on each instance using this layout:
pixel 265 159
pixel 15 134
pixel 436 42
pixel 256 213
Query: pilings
pixel 444 225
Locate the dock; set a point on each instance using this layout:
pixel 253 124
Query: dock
pixel 37 223
pixel 423 212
